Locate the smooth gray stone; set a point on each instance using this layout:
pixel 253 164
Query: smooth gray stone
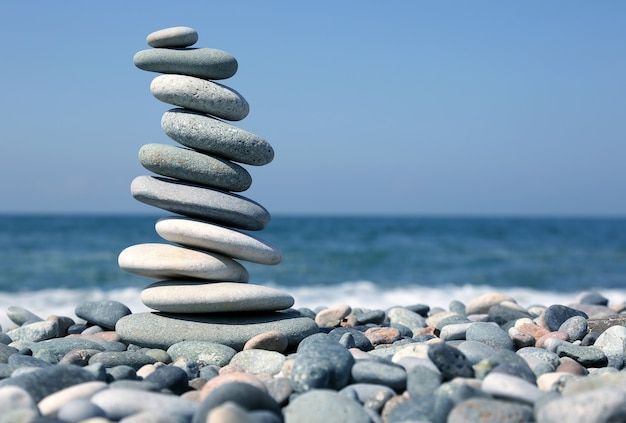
pixel 320 363
pixel 475 351
pixel 422 380
pixel 6 352
pixel 503 385
pixel 207 236
pixel 35 332
pixel 575 327
pixel 174 37
pixel 244 395
pixel 77 410
pixel 136 360
pixel 216 297
pixel 426 408
pixel 487 410
pixel 539 353
pixel 169 377
pixel 600 405
pixel 407 318
pixel 104 313
pixel 450 361
pixel 122 402
pixel 200 202
pixel 59 347
pixel 585 356
pixel 324 406
pixel 380 373
pixel 490 334
pixel 166 261
pixel 20 315
pixel 46 381
pixel 200 95
pixel 195 167
pixel 612 341
pixel 210 135
pixel 161 330
pixel 202 352
pixel 205 63
pixel 556 314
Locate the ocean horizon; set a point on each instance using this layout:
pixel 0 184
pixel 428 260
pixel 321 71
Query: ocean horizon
pixel 51 262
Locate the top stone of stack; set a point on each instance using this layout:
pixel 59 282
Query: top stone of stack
pixel 175 37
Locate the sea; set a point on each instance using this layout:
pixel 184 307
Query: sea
pixel 51 263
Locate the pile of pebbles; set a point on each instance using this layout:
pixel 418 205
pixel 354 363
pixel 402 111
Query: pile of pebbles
pixel 489 360
pixel 202 291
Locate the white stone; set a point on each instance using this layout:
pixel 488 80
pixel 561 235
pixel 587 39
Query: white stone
pixel 206 236
pixel 174 37
pixel 165 261
pixel 200 95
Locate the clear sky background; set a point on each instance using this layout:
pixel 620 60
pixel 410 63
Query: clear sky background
pixel 407 107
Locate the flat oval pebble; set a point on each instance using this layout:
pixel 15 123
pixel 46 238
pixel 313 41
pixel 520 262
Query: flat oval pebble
pixel 104 313
pixel 217 297
pixel 122 402
pixel 52 403
pixel 205 63
pixel 20 315
pixel 116 358
pixel 165 261
pixel 161 330
pixel 34 332
pixel 200 95
pixel 259 361
pixel 56 378
pixel 174 37
pixel 229 242
pixel 271 341
pixel 193 166
pixel 213 136
pixel 200 202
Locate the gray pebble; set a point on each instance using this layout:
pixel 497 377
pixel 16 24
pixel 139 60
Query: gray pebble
pixel 379 373
pixel 422 380
pixel 372 396
pixel 169 377
pixel 510 387
pixel 35 332
pixel 116 358
pixel 244 395
pixel 450 361
pixel 121 402
pixel 204 353
pixel 15 397
pixel 307 408
pixel 539 353
pixel 575 327
pixel 20 315
pixel 104 313
pixel 475 351
pixel 600 405
pixel 205 63
pixel 429 408
pixel 407 318
pixel 557 314
pixel 259 361
pixel 586 356
pixel 490 334
pixel 45 381
pixel 77 410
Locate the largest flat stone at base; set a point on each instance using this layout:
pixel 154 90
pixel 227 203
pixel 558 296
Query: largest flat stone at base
pixel 162 330
pixel 200 202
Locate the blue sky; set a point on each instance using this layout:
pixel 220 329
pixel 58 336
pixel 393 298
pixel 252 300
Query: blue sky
pixel 421 107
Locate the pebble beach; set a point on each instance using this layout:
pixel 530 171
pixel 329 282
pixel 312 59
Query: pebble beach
pixel 212 347
pixel 487 360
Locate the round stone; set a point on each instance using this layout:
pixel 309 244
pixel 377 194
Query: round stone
pixel 192 166
pixel 218 297
pixel 165 261
pixel 200 202
pixel 161 330
pixel 206 236
pixel 200 95
pixel 174 37
pixel 206 63
pixel 213 136
pixel 202 352
pixel 322 405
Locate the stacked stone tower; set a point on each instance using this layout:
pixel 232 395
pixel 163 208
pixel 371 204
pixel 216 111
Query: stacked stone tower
pixel 202 291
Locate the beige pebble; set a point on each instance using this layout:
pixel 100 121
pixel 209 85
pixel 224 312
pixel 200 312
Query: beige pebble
pixel 228 378
pixel 53 402
pixel 483 303
pixel 333 316
pixel 228 412
pixel 270 341
pixel 541 342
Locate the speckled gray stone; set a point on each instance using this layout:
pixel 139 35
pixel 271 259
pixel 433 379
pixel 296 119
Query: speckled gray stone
pixel 20 315
pixel 490 334
pixel 200 95
pixel 193 166
pixel 218 297
pixel 229 242
pixel 166 261
pixel 161 330
pixel 600 405
pixel 174 37
pixel 35 332
pixel 55 377
pixel 123 402
pixel 205 63
pixel 213 136
pixel 259 361
pixel 200 202
pixel 202 352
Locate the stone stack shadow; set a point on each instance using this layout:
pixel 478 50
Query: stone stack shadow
pixel 201 291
